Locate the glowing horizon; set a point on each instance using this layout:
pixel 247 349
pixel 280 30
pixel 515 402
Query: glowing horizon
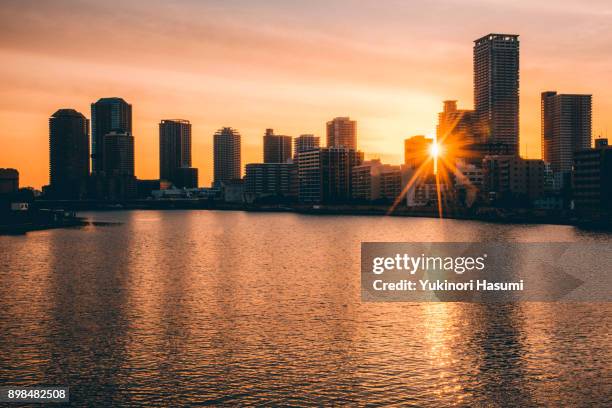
pixel 281 65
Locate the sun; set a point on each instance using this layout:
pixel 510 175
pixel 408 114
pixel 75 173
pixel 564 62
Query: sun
pixel 435 150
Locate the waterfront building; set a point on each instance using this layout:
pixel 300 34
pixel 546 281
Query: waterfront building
pixel 592 179
pixel 566 128
pixel 9 181
pixel 276 148
pixel 372 181
pixel 175 153
pixel 107 114
pixel 455 126
pixel 325 174
pixel 511 180
pixel 496 89
pixel 271 181
pixel 417 153
pixel 303 143
pixel 68 155
pixel 227 158
pixel 342 132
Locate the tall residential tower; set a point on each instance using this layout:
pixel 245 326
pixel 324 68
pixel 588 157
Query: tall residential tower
pixel 496 89
pixel 342 132
pixel 175 153
pixel 226 155
pixel 107 114
pixel 566 128
pixel 69 154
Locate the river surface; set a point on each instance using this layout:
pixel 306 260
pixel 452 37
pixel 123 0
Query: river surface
pixel 184 308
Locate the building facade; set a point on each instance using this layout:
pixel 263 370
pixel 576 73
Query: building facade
pixel 566 128
pixel 9 181
pixel 513 181
pixel 273 181
pixel 175 153
pixel 107 114
pixel 496 89
pixel 325 174
pixel 276 148
pixel 303 143
pixel 68 155
pixel 227 155
pixel 455 126
pixel 592 179
pixel 417 153
pixel 342 132
pixel 373 181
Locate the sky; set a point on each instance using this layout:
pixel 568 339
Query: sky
pixel 289 65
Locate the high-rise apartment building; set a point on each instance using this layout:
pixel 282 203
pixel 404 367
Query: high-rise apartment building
pixel 175 153
pixel 566 128
pixel 226 155
pixel 342 132
pixel 303 143
pixel 68 154
pixel 277 148
pixel 325 174
pixel 119 154
pixel 455 126
pixel 107 114
pixel 496 89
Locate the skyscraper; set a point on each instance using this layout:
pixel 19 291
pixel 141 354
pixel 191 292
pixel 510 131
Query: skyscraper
pixel 175 153
pixel 455 126
pixel 107 114
pixel 69 154
pixel 342 132
pixel 277 148
pixel 119 154
pixel 496 89
pixel 303 143
pixel 566 128
pixel 226 155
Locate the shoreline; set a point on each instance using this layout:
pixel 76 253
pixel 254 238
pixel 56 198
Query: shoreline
pixel 483 214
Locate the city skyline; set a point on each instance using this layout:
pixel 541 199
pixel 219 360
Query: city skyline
pixel 328 74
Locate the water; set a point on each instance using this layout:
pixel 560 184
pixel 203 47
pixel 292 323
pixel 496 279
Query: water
pixel 202 307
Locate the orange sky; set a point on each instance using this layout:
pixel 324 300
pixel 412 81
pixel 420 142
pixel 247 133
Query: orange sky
pixel 290 65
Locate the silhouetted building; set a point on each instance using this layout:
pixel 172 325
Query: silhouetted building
pixel 277 148
pixel 9 181
pixel 69 155
pixel 119 153
pixel 513 181
pixel 342 132
pixel 107 114
pixel 566 128
pixel 496 89
pixel 417 153
pixel 226 155
pixel 592 179
pixel 325 174
pixel 303 143
pixel 455 126
pixel 271 181
pixel 175 153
